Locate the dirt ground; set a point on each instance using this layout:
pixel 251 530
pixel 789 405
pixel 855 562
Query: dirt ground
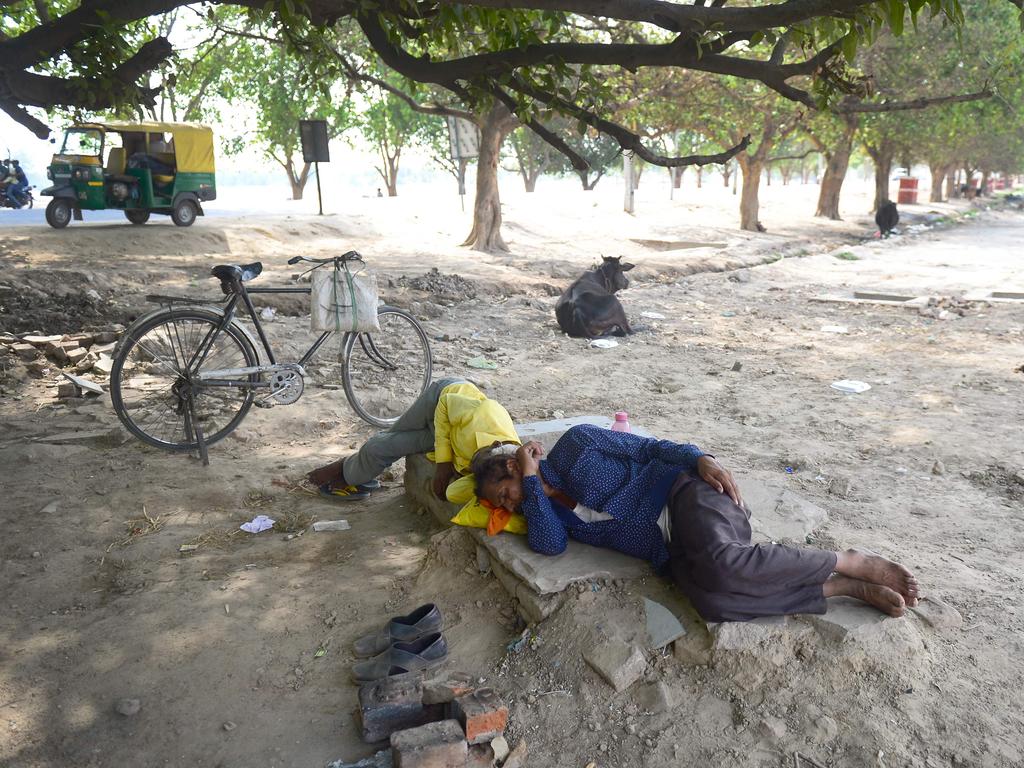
pixel 221 645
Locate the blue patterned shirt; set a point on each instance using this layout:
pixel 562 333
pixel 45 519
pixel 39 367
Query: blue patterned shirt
pixel 618 473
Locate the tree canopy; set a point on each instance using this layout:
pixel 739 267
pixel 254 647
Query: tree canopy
pixel 531 55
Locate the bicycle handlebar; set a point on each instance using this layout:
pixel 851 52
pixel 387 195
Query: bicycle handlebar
pixel 349 256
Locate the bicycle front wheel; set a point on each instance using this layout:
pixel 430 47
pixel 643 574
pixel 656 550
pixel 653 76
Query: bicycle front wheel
pixel 152 381
pixel 385 371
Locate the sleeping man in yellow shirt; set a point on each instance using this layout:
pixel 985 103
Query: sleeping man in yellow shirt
pixel 453 419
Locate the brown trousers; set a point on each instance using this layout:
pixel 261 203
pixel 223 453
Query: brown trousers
pixel 725 576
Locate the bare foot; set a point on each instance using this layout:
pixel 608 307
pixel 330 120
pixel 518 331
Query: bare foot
pixel 884 599
pixel 867 566
pixel 330 473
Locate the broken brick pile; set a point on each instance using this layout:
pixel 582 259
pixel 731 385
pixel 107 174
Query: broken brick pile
pixel 441 723
pixel 74 353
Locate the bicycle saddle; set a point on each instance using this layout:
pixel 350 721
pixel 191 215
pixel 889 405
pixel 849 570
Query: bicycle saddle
pixel 242 272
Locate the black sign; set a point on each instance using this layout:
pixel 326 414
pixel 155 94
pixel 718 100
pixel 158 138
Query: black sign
pixel 314 141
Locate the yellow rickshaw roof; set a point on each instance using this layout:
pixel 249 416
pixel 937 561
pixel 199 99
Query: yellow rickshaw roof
pixel 193 143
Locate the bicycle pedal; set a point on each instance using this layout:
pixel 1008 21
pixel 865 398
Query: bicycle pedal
pixel 264 403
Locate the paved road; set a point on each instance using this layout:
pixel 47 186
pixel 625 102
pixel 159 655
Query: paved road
pixel 981 256
pixel 26 217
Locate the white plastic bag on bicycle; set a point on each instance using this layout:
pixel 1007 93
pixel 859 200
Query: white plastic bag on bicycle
pixel 343 301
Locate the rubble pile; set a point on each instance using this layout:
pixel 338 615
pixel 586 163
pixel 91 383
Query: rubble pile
pixel 72 354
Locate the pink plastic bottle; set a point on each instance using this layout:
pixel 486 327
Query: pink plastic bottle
pixel 621 423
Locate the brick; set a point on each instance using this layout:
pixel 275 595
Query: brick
pixel 77 355
pixel 435 745
pixel 443 690
pixel 389 705
pixel 40 341
pixel 480 756
pixel 25 351
pixel 619 663
pixel 482 714
pixel 67 389
pixel 56 353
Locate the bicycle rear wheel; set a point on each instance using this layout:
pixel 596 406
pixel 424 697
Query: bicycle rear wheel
pixel 385 371
pixel 152 386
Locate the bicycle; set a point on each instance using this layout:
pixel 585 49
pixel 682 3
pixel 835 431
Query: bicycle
pixel 185 375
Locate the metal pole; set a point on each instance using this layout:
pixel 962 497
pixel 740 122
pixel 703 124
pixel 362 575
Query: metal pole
pixel 319 196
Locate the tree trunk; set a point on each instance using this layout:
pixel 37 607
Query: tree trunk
pixel 677 176
pixel 768 176
pixel 835 172
pixel 950 185
pixel 530 181
pixel 986 177
pixel 805 173
pixel 938 173
pixel 700 176
pixel 726 174
pixel 297 180
pixel 486 233
pixel 749 205
pixel 882 158
pixel 786 173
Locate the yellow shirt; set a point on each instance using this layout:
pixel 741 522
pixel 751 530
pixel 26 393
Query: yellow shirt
pixel 465 421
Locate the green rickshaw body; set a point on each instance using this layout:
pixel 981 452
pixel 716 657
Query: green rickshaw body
pixel 164 168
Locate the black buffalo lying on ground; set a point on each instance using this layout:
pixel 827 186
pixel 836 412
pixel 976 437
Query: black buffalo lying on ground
pixel 887 217
pixel 589 309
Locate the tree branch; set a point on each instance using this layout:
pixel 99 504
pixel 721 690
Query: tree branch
pixel 678 17
pixel 855 107
pixel 811 151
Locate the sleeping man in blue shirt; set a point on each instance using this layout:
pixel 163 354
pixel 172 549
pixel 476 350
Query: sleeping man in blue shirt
pixel 679 509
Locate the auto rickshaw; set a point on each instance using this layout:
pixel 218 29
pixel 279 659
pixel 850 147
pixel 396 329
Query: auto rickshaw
pixel 164 168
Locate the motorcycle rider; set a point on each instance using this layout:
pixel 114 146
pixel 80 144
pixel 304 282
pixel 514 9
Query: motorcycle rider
pixel 18 184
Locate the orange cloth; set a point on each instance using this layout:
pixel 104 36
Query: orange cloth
pixel 499 517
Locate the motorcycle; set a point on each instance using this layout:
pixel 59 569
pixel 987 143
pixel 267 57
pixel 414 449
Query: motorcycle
pixel 6 179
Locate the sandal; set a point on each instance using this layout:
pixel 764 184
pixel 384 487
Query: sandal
pixel 427 652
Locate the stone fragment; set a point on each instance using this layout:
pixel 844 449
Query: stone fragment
pixel 41 341
pixel 67 389
pixel 619 663
pixel 39 367
pixel 56 353
pixel 77 355
pixel 693 649
pixel 737 366
pixel 655 697
pixel 938 468
pixel 85 384
pixel 517 757
pixel 380 760
pixel 482 715
pixel 25 351
pixel 500 748
pixel 128 707
pixel 772 727
pixel 662 627
pixel 104 364
pixel 434 745
pixel 938 614
pixel 840 486
pixel 106 337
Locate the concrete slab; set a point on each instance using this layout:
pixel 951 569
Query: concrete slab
pixel 776 512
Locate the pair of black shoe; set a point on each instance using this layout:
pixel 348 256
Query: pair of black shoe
pixel 404 644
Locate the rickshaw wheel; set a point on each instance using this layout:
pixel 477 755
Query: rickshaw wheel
pixel 137 216
pixel 58 213
pixel 184 213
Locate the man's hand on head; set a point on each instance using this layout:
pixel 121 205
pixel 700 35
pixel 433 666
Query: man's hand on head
pixel 528 457
pixel 719 478
pixel 443 474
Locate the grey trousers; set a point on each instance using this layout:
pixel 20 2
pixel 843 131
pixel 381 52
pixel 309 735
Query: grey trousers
pixel 725 576
pixel 412 433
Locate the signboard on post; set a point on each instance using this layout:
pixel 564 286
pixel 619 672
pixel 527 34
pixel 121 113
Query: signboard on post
pixel 464 140
pixel 315 149
pixel 464 137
